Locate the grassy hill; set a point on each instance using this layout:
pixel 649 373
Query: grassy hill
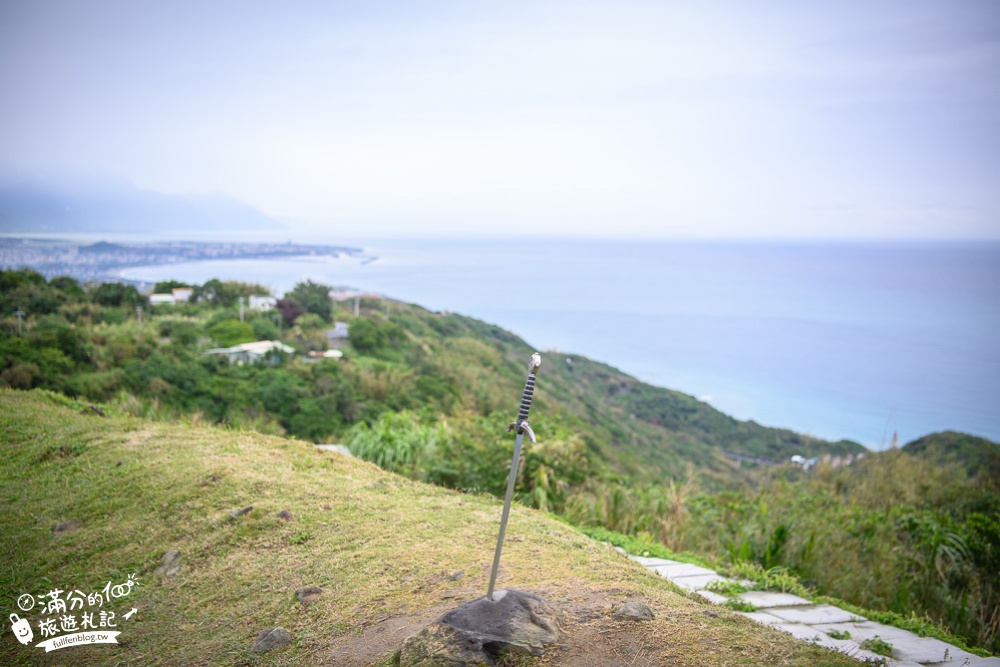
pixel 382 547
pixel 641 431
pixel 978 456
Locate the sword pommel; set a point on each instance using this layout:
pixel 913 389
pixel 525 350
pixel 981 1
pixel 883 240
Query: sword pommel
pixel 534 364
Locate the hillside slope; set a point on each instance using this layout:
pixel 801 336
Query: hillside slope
pixel 976 455
pixel 440 365
pixel 641 431
pixel 380 546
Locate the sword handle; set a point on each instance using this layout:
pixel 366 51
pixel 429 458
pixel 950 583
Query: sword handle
pixel 529 388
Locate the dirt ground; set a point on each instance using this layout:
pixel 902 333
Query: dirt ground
pixel 590 636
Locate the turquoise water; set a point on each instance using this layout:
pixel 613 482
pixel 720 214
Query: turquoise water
pixel 854 341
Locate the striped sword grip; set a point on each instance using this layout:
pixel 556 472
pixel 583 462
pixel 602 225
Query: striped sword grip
pixel 529 390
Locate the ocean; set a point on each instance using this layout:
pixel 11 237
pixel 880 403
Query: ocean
pixel 843 340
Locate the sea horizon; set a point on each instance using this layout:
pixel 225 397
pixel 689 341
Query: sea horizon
pixel 853 339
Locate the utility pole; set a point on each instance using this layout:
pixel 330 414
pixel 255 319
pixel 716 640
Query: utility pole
pixel 20 313
pixel 138 314
pixel 357 305
pixel 241 309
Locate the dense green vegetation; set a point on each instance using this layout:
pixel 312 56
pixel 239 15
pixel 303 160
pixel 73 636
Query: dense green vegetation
pixel 428 395
pixel 448 369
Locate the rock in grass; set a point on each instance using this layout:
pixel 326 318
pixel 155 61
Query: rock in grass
pixel 170 565
pixel 441 645
pixel 458 575
pixel 270 639
pixel 64 527
pixel 243 512
pixel 481 630
pixel 286 515
pixel 308 594
pixel 634 611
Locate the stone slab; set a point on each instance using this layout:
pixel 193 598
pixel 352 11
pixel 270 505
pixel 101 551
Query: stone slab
pixel 866 630
pixel 650 562
pixel 799 631
pixel 976 661
pixel 696 582
pixel 926 649
pixel 761 617
pixel 765 599
pixel 842 645
pixel 867 656
pixel 714 598
pixel 673 570
pixel 813 615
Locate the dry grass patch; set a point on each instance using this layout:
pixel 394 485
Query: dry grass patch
pixel 382 548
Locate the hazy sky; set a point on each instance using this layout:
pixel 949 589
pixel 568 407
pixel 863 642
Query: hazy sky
pixel 695 119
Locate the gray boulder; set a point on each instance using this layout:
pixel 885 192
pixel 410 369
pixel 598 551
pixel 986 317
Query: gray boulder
pixel 170 565
pixel 308 594
pixel 64 527
pixel 479 631
pixel 634 611
pixel 270 639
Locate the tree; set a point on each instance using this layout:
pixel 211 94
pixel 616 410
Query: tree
pixel 290 310
pixel 232 332
pixel 116 295
pixel 226 292
pixel 68 286
pixel 264 329
pixel 27 289
pixel 167 286
pixel 314 297
pixel 366 336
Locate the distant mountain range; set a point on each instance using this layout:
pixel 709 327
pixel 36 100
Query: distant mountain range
pixel 87 203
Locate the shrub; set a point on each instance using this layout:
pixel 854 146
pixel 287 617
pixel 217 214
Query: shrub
pixel 232 332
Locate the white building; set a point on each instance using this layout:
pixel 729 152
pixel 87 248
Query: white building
pixel 261 302
pixel 178 295
pixel 250 353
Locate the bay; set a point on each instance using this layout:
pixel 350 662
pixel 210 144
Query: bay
pixel 836 340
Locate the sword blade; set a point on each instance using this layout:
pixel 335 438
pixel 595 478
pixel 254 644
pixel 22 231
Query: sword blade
pixel 511 478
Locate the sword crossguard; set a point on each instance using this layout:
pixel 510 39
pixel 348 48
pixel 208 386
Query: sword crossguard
pixel 522 426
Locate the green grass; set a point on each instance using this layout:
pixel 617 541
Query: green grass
pixel 737 604
pixel 877 645
pixel 381 546
pixel 779 579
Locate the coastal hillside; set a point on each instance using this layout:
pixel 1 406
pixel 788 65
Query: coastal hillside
pixel 443 368
pixel 90 500
pixel 978 456
pixel 429 396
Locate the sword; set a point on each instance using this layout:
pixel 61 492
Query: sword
pixel 522 427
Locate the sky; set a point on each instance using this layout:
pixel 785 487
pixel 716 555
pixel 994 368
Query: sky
pixel 599 119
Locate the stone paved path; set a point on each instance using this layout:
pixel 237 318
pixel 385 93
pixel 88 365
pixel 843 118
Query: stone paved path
pixel 814 622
